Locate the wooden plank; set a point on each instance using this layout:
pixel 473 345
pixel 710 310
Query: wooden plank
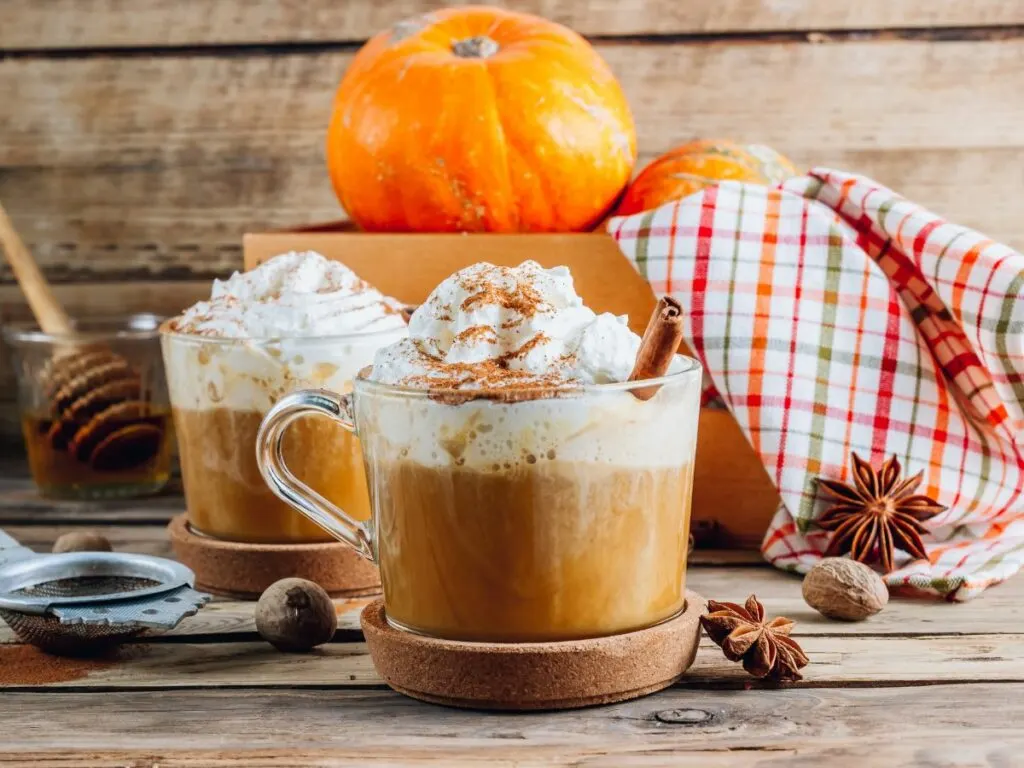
pixel 109 175
pixel 849 660
pixel 233 620
pixel 144 539
pixel 230 619
pixel 967 751
pixel 166 297
pixel 115 23
pixel 999 610
pixel 678 727
pixel 20 504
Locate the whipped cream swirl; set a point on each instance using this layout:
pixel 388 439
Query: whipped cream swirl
pixel 291 295
pixel 489 327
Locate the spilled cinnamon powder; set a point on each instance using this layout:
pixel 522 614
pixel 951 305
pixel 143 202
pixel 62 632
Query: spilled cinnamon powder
pixel 27 665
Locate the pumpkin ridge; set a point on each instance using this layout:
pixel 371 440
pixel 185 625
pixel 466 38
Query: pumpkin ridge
pixel 503 142
pixel 514 149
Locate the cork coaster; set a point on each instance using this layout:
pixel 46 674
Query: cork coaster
pixel 533 676
pixel 242 571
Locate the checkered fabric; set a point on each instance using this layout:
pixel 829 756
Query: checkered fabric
pixel 834 316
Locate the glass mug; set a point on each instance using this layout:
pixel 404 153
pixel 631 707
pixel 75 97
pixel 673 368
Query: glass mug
pixel 519 519
pixel 221 388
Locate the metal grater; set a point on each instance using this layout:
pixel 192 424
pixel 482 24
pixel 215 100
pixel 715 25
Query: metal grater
pixel 83 602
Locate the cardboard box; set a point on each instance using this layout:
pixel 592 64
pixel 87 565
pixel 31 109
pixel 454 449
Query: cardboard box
pixel 734 498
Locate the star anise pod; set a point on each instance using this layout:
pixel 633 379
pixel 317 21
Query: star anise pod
pixel 877 513
pixel 765 648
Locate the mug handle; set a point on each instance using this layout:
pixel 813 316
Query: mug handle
pixel 283 482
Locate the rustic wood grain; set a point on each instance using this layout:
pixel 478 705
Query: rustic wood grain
pixel 853 660
pixel 712 574
pixel 677 726
pixel 59 24
pixel 111 168
pixel 167 297
pixel 967 751
pixel 144 539
pixel 232 620
pixel 999 611
pixel 20 504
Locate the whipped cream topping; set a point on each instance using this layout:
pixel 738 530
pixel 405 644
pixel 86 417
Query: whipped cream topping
pixel 489 327
pixel 299 320
pixel 291 295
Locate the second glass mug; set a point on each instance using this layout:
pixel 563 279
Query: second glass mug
pixel 513 520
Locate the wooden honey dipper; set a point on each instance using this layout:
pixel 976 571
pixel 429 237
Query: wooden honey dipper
pixel 97 400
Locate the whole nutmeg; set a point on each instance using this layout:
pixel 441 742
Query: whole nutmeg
pixel 840 588
pixel 295 615
pixel 82 541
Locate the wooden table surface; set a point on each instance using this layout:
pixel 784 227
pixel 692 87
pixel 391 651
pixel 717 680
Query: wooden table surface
pixel 923 683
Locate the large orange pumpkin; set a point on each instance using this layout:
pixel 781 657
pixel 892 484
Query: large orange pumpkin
pixel 479 119
pixel 699 164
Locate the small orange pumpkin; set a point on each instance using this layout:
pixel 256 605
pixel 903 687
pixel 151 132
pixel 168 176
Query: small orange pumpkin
pixel 483 120
pixel 698 164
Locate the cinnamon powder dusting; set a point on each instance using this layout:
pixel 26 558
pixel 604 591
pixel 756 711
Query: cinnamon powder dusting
pixel 495 373
pixel 522 298
pixel 27 665
pixel 491 374
pixel 477 333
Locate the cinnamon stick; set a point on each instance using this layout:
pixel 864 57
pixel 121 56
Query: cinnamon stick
pixel 658 346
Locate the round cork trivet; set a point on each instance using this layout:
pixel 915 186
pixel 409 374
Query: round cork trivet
pixel 243 571
pixel 531 676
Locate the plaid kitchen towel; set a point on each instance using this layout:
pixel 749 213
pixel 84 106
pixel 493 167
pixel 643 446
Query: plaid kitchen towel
pixel 834 316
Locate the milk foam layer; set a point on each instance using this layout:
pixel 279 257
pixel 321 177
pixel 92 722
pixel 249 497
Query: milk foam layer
pixel 296 321
pixel 498 328
pixel 603 427
pixel 489 327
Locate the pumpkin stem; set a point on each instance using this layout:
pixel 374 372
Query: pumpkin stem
pixel 479 47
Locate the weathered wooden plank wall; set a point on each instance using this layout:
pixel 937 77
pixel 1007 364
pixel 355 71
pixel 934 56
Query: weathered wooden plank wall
pixel 140 138
pixel 95 23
